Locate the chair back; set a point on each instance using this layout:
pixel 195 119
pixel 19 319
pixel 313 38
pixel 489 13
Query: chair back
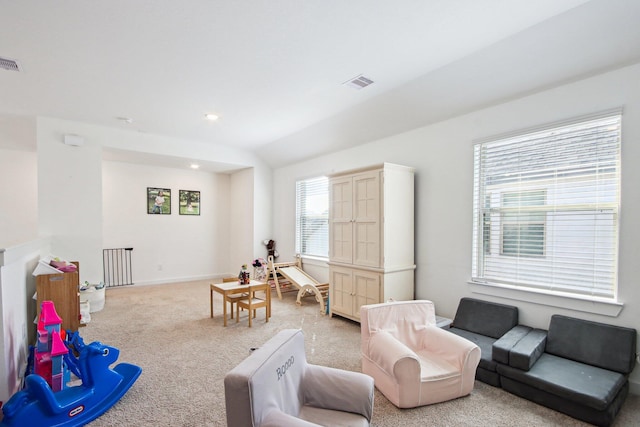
pixel 399 318
pixel 269 378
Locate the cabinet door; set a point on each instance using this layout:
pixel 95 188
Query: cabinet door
pixel 340 219
pixel 366 215
pixel 341 298
pixel 366 290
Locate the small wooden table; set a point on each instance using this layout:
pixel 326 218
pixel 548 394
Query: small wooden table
pixel 230 288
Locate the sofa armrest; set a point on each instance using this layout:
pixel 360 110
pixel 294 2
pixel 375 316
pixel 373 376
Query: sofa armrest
pixel 502 347
pixel 337 389
pixel 527 351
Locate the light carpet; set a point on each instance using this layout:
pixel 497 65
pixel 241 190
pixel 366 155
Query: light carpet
pixel 185 354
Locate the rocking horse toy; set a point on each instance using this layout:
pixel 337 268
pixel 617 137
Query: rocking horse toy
pixel 39 405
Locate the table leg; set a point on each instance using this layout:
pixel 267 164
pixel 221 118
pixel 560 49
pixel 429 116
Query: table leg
pixel 268 291
pixel 224 307
pixel 211 299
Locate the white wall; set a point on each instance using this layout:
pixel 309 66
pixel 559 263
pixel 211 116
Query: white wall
pixel 241 211
pixel 262 212
pixel 443 157
pixel 70 200
pixel 17 311
pixel 18 197
pixel 172 247
pixel 70 197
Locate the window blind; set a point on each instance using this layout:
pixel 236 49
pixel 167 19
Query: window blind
pixel 546 207
pixel 312 217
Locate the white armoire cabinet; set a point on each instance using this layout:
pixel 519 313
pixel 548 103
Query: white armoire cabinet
pixel 371 235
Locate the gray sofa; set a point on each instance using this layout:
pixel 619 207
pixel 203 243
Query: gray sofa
pixel 578 367
pixel 491 326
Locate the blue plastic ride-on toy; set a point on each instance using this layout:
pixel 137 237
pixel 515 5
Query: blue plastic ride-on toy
pixel 101 388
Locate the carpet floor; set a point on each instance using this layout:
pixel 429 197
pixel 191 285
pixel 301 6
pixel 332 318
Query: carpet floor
pixel 185 354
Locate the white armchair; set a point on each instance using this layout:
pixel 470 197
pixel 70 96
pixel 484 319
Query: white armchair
pixel 275 386
pixel 412 361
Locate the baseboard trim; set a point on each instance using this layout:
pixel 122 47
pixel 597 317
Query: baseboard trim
pixel 164 281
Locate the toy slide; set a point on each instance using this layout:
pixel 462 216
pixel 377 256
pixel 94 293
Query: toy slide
pixel 292 272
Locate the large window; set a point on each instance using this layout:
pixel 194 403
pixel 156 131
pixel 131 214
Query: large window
pixel 522 219
pixel 546 209
pixel 312 217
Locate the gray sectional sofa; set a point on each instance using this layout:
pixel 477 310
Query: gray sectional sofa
pixel 577 367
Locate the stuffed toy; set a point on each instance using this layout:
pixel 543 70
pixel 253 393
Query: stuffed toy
pixel 271 248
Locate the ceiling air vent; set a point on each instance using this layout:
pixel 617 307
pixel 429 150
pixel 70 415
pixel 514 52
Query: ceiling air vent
pixel 358 82
pixel 9 64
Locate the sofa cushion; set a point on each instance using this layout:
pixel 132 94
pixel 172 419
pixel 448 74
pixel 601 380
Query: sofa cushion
pixel 585 384
pixel 502 347
pixel 528 350
pixel 328 417
pixel 485 343
pixel 485 318
pixel 606 346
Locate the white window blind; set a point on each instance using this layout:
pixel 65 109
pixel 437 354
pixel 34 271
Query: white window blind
pixel 546 209
pixel 312 217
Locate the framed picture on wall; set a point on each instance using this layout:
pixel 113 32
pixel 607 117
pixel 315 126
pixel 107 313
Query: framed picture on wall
pixel 189 202
pixel 158 201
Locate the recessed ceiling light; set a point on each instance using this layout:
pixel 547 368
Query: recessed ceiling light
pixel 194 166
pixel 211 116
pixel 125 119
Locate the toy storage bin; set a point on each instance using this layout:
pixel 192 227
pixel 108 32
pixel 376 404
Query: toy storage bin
pixel 95 297
pixel 44 267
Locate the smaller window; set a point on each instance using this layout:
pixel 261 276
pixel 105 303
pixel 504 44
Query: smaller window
pixel 312 217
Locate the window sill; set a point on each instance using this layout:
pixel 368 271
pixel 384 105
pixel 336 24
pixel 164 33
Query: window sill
pixel 314 260
pixel 605 308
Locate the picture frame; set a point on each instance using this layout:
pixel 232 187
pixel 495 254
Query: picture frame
pixel 158 201
pixel 189 202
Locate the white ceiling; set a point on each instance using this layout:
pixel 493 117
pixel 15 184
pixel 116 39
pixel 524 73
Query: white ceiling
pixel 272 69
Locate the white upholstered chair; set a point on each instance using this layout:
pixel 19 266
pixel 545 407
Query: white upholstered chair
pixel 412 361
pixel 275 386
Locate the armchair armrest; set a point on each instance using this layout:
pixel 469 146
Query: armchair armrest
pixel 502 347
pixel 528 350
pixel 330 388
pixel 277 418
pixel 456 350
pixel 448 345
pixel 392 356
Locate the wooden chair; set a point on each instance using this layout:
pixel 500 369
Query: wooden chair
pixel 233 299
pixel 252 303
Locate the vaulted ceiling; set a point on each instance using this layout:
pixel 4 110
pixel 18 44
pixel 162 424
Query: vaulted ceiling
pixel 273 70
